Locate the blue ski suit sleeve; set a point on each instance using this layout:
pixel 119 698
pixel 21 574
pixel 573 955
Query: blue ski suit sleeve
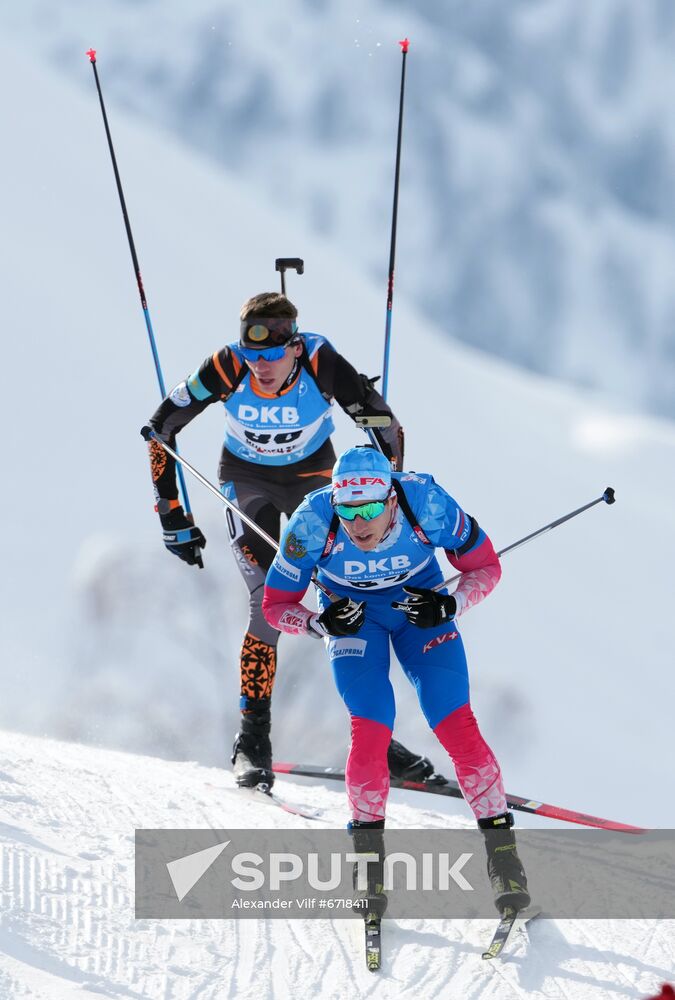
pixel 301 544
pixel 446 524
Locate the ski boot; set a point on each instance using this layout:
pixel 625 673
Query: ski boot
pixel 504 867
pixel 408 766
pixel 369 841
pixel 252 750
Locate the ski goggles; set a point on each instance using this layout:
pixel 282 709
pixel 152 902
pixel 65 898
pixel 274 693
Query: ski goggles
pixel 368 510
pixel 262 331
pixel 267 353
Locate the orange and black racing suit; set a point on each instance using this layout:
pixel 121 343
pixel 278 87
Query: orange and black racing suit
pixel 277 449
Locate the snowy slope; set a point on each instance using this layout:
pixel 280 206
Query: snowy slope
pixel 67 931
pixel 108 639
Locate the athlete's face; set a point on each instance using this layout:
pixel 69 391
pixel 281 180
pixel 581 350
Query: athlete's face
pixel 367 535
pixel 271 375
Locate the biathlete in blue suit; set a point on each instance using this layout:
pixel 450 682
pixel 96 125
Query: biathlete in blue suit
pixel 371 536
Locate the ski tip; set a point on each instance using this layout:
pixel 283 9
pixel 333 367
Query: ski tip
pixel 608 495
pixel 92 55
pixel 405 45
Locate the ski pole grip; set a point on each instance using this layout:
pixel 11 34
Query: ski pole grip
pixel 608 495
pixel 147 433
pixel 197 549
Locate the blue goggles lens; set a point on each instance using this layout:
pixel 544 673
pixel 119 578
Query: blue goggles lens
pixel 367 511
pixel 268 353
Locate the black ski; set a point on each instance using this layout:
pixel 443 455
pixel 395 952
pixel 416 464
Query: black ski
pixel 511 921
pixel 373 930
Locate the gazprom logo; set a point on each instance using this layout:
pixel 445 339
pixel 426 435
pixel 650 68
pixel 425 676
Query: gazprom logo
pixel 347 647
pixel 286 569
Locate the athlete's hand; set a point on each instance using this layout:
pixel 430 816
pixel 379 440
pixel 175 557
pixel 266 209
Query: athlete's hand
pixel 341 618
pixel 426 608
pixel 182 537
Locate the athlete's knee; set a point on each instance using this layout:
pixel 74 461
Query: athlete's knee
pixel 458 732
pixel 370 739
pixel 255 598
pixel 362 709
pixel 257 623
pixel 367 695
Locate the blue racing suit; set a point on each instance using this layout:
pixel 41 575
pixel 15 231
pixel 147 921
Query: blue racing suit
pixel 432 659
pixel 424 518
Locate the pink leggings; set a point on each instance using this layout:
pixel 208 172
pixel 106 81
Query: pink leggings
pixel 478 773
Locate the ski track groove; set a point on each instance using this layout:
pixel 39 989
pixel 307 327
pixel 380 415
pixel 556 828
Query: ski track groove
pixel 500 972
pixel 307 961
pixel 567 982
pixel 34 887
pixel 556 979
pixel 657 930
pixel 618 962
pixel 616 965
pixel 349 937
pixel 250 932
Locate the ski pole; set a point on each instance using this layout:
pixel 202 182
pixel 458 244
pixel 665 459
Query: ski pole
pixel 149 434
pixel 607 497
pixel 394 219
pixel 134 258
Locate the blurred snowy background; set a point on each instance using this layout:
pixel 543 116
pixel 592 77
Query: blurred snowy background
pixel 536 224
pixel 538 208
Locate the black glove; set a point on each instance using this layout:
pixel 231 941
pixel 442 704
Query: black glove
pixel 343 617
pixel 426 608
pixel 365 413
pixel 182 537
